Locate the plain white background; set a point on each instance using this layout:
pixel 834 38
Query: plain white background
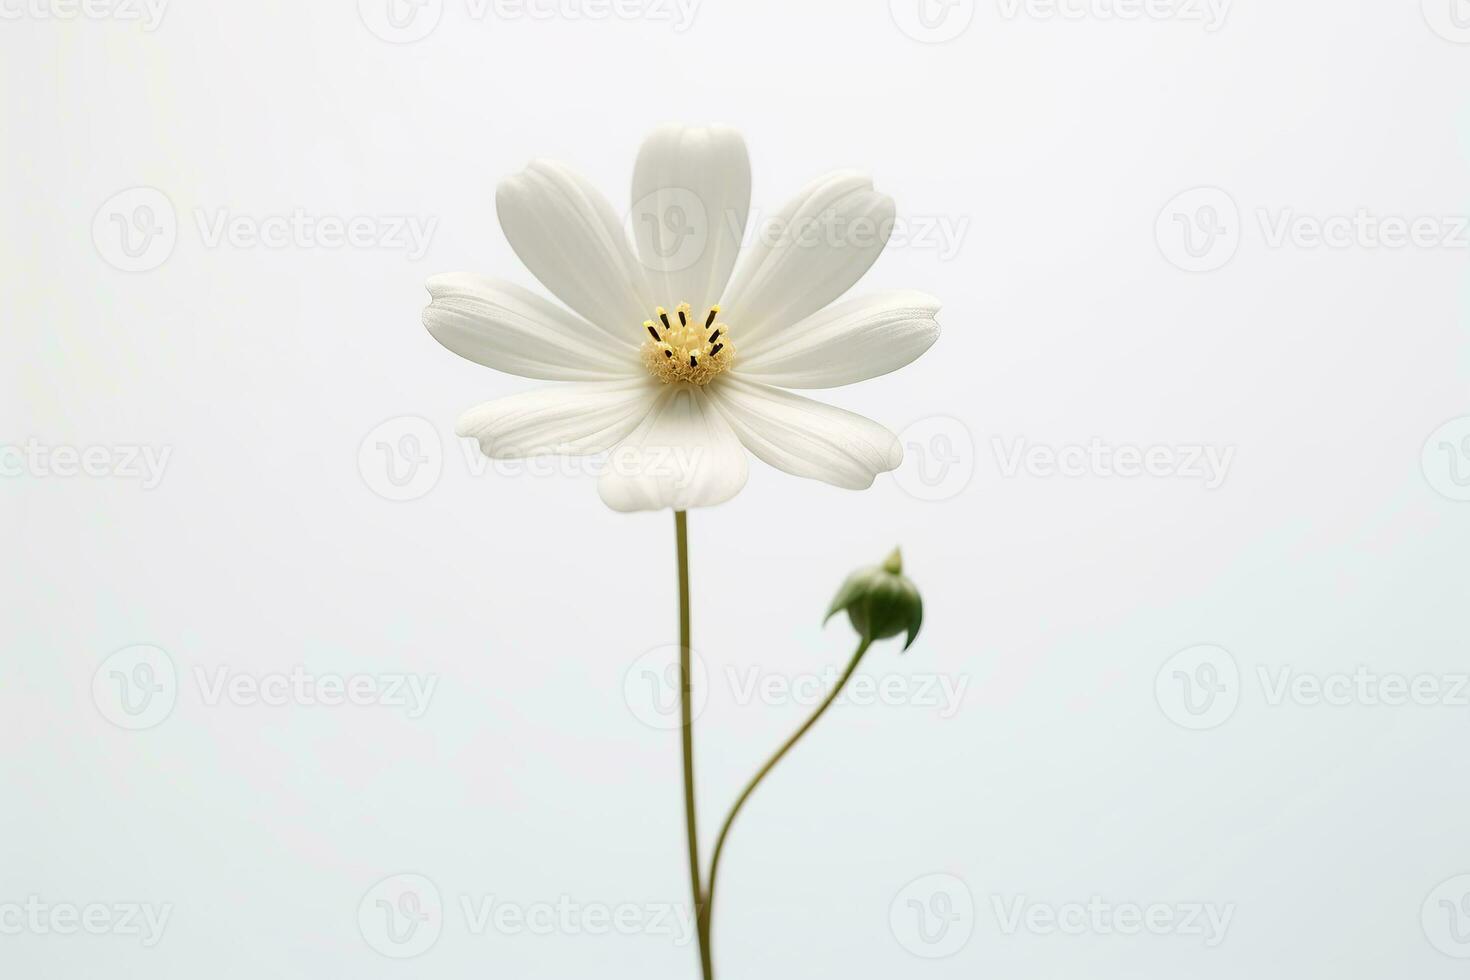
pixel 1048 160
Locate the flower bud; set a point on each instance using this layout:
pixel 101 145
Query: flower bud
pixel 881 602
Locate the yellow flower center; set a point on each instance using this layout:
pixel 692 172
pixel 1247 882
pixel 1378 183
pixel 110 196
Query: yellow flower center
pixel 679 350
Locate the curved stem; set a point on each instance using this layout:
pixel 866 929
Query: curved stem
pixel 708 909
pixel 686 717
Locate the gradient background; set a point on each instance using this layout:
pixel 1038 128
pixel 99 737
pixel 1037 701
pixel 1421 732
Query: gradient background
pixel 1060 148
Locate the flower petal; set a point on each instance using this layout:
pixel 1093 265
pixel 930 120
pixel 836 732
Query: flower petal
pixel 691 196
pixel 805 437
pixel 569 237
pixel 849 341
pixel 809 255
pixel 513 330
pixel 563 420
pixel 683 455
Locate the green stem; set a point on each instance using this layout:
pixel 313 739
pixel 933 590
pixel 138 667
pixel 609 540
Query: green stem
pixel 686 716
pixel 707 911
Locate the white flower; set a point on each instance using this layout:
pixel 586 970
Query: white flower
pixel 680 348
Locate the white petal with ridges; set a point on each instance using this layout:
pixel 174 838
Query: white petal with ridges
pixel 683 455
pixel 691 196
pixel 847 342
pixel 511 329
pixel 805 437
pixel 567 234
pixel 811 253
pixel 563 420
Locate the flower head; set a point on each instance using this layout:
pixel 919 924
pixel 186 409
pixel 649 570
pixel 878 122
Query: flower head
pixel 679 348
pixel 881 602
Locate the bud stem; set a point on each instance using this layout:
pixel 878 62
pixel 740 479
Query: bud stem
pixel 707 910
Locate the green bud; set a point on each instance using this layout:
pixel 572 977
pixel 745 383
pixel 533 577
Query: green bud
pixel 881 602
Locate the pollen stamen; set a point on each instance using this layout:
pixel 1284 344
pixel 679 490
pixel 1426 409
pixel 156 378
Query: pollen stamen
pixel 682 353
